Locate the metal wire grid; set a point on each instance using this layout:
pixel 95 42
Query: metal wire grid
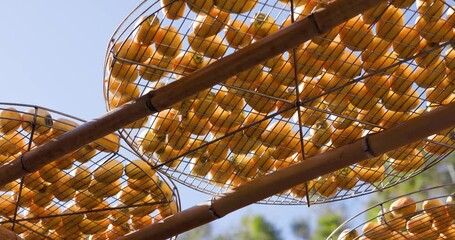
pixel 368 74
pixel 93 192
pixel 424 214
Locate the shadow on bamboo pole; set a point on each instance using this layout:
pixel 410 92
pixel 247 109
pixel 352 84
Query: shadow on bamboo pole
pixel 313 25
pixel 273 183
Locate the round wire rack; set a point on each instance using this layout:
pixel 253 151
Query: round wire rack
pixel 92 193
pixel 383 67
pixel 423 214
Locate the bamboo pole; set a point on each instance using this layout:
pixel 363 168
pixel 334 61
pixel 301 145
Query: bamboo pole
pixel 315 24
pixel 313 167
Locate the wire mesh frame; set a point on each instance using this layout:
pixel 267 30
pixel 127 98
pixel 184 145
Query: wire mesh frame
pixel 94 192
pixel 352 91
pixel 409 216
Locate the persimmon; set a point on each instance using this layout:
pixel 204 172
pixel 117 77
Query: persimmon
pixel 434 31
pixel 198 6
pixel 429 54
pixel 224 120
pixel 401 79
pixel 10 120
pixel 306 63
pixel 179 138
pixel 328 37
pixel 276 133
pixel 167 209
pixel 394 223
pixel 429 76
pixel 438 149
pixel 378 85
pixel 260 103
pixel 166 121
pixel 373 162
pixel 346 120
pixel 326 186
pixel 403 207
pixel 449 58
pixel 173 9
pixel 309 116
pixel 370 175
pixel 235 6
pixel 390 23
pixel 401 102
pixel 371 116
pixel 262 25
pixel 374 62
pixel 440 92
pixel 81 177
pixel 325 51
pixel 212 47
pixel 419 224
pixel 275 62
pixel 347 65
pixel 304 8
pixel 320 134
pixel 263 159
pixel 129 196
pixel 204 107
pixel 168 42
pixel 406 42
pixel 188 62
pixel 355 34
pixel 289 147
pixel 345 136
pixel 221 173
pixel 410 164
pixel 50 173
pixel 236 33
pixel 206 25
pixel 167 155
pixel 252 75
pixel 360 97
pixel 133 51
pixel 42 122
pixel 146 29
pixel 284 74
pixel 373 15
pixel 430 9
pixel 391 118
pixel 108 143
pixel 155 68
pixel 301 190
pixel 346 179
pixel 200 166
pixel 109 171
pixel 228 101
pixel 34 181
pixel 62 190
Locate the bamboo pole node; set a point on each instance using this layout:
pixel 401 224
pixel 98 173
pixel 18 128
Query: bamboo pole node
pixel 23 164
pixel 367 147
pixel 212 209
pixel 312 18
pixel 148 102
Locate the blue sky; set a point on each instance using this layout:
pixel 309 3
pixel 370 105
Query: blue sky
pixel 52 55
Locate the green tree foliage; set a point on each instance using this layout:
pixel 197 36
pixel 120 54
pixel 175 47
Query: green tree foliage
pixel 257 228
pixel 301 229
pixel 203 232
pixel 326 223
pixel 254 227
